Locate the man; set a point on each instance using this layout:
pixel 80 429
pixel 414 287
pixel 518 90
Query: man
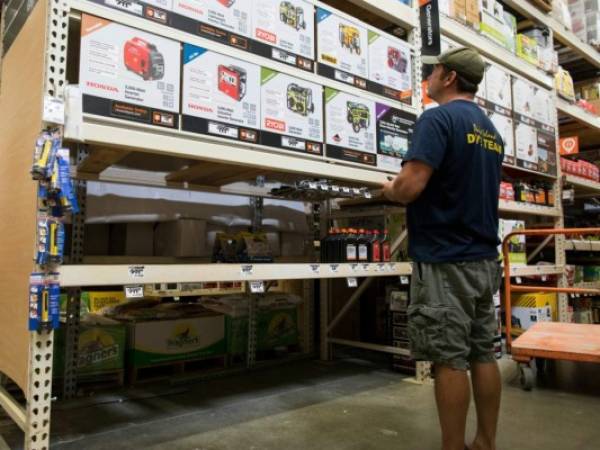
pixel 450 181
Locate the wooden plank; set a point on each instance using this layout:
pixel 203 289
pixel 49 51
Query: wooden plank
pixel 100 159
pixel 20 108
pixel 555 340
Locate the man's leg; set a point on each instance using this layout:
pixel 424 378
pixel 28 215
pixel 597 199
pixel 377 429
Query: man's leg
pixel 452 395
pixel 487 387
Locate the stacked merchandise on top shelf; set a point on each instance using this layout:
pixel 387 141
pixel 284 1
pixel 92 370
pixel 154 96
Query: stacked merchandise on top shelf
pixel 585 19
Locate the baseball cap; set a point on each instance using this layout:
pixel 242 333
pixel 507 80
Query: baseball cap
pixel 464 60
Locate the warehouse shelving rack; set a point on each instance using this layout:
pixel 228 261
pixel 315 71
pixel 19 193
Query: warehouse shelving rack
pixel 36 68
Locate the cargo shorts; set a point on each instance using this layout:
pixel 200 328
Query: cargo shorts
pixel 451 317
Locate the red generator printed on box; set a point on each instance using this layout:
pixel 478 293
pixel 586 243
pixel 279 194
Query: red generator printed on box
pixel 144 59
pixel 232 81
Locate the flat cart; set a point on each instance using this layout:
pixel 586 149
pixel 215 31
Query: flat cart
pixel 548 340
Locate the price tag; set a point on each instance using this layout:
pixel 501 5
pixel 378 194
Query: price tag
pixel 544 278
pixel 335 188
pixel 346 190
pixel 314 268
pixel 356 191
pixel 368 194
pixel 324 187
pixel 334 267
pixel 365 267
pixel 136 271
pixel 257 287
pixel 391 267
pixel 380 267
pixel 354 267
pixel 134 291
pixel 247 269
pixel 518 280
pixel 312 185
pixel 54 110
pixel 352 282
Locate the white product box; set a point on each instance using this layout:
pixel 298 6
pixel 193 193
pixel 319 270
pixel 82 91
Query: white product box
pixel 541 105
pixel 163 4
pixel 221 89
pixel 506 128
pixel 390 62
pixel 292 107
pixel 342 43
pixel 129 67
pixel 524 318
pixel 288 25
pixel 394 133
pixel 522 97
pixel 229 15
pixel 350 124
pixel 526 143
pixel 497 82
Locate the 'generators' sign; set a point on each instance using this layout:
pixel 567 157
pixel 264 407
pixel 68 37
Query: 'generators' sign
pixel 430 27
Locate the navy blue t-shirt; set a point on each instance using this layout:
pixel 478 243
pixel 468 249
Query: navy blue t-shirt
pixel 456 216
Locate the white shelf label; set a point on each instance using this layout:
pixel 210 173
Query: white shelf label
pixel 312 185
pixel 134 291
pixel 334 268
pixel 356 191
pixel 380 267
pixel 365 267
pixel 54 110
pixel 368 194
pixel 518 280
pixel 354 267
pixel 346 190
pixel 404 279
pixel 257 287
pixel 247 269
pixel 544 278
pixel 352 282
pixel 391 267
pixel 335 188
pixel 314 268
pixel 136 271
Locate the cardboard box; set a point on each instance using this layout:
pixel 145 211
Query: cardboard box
pixel 546 149
pixel 498 86
pixel 527 49
pixel 526 146
pixel 394 136
pixel 500 27
pixel 221 95
pixel 350 128
pixel 101 348
pixel 516 247
pixel 505 127
pixel 286 25
pixel 458 10
pixel 231 16
pixel 342 44
pixel 390 66
pixel 162 341
pixel 291 113
pixel 131 239
pixel 541 106
pixel 523 318
pixel 472 13
pixel 129 74
pixel 181 238
pixel 563 82
pixel 523 93
pixel 534 307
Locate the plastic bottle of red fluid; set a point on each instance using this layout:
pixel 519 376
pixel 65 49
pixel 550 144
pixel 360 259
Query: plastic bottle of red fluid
pixel 362 243
pixel 386 251
pixel 375 248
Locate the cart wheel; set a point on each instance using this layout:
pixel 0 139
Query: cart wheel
pixel 526 377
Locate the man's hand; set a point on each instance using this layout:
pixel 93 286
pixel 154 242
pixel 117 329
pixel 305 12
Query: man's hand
pixel 409 183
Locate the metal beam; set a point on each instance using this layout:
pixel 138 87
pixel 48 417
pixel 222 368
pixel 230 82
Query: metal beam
pixel 367 346
pixel 15 411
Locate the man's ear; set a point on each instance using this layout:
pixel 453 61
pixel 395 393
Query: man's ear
pixel 450 78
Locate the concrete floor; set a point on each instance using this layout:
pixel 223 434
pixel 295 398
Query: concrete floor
pixel 343 405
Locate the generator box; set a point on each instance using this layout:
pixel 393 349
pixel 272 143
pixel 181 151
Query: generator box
pixel 529 308
pixel 543 106
pixel 291 113
pixel 390 67
pixel 394 136
pixel 517 245
pixel 287 29
pixel 498 86
pixel 526 146
pixel 221 95
pixel 129 74
pixel 342 48
pixel 505 126
pixel 229 15
pixel 159 341
pixel 350 128
pixel 523 95
pixel 546 147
